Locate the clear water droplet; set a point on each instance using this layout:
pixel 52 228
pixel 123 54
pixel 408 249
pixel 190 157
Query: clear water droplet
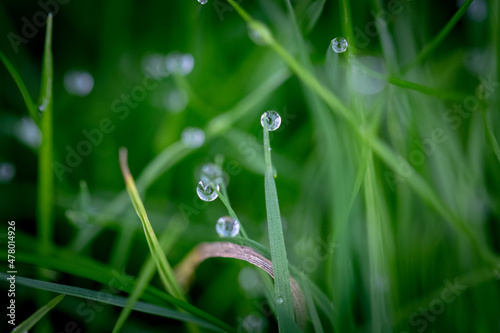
pixel 180 63
pixel 279 300
pixel 206 192
pixel 202 1
pixel 212 173
pixel 78 83
pixel 193 137
pixel 271 119
pixel 339 44
pixel 7 172
pixel 227 227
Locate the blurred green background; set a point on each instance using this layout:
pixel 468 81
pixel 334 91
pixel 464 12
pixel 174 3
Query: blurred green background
pixel 394 253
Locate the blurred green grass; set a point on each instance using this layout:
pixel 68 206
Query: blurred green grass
pixel 392 251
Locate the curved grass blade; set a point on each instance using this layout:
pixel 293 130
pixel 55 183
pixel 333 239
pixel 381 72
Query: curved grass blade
pixel 283 294
pixel 106 298
pixel 35 317
pixel 28 100
pixel 203 251
pixel 433 44
pixel 164 269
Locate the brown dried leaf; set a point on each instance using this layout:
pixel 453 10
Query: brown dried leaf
pixel 185 269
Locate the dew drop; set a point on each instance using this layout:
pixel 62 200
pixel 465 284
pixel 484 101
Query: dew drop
pixel 180 63
pixel 202 1
pixel 206 192
pixel 176 100
pixel 227 227
pixel 279 300
pixel 253 323
pixel 154 65
pixel 78 83
pixel 7 172
pixel 339 44
pixel 28 132
pixel 270 119
pixel 193 137
pixel 212 173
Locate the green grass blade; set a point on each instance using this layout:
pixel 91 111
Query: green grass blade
pixel 28 100
pixel 311 307
pixel 490 135
pixel 164 269
pixel 167 239
pixel 35 317
pixel 66 262
pixel 45 194
pixel 283 294
pixel 313 13
pixel 443 94
pixel 106 298
pixel 433 44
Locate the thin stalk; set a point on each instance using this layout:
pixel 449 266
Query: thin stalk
pixel 433 44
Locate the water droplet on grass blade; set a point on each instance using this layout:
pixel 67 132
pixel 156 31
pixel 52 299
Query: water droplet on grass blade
pixel 206 192
pixel 202 1
pixel 339 44
pixel 270 119
pixel 193 137
pixel 279 300
pixel 227 227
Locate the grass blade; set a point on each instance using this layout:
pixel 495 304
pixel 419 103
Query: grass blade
pixel 106 298
pixel 283 294
pixel 311 308
pixel 186 268
pixel 167 239
pixel 28 100
pixel 164 269
pixel 45 194
pixel 433 44
pixel 66 262
pixel 35 317
pixel 490 135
